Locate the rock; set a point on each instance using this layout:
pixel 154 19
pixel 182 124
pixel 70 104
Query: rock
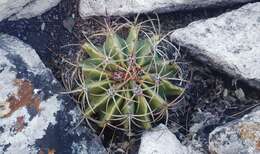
pixel 24 8
pixel 202 120
pixel 202 124
pixel 69 23
pixel 122 7
pixel 160 140
pixel 229 42
pixel 34 117
pixel 240 94
pixel 225 93
pixel 238 137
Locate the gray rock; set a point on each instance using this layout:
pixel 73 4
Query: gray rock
pixel 238 137
pixel 225 93
pixel 240 94
pixel 69 23
pixel 24 8
pixel 122 7
pixel 34 117
pixel 229 42
pixel 161 141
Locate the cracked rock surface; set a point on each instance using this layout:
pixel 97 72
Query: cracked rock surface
pixel 34 116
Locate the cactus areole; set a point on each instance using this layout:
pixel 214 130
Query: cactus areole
pixel 128 82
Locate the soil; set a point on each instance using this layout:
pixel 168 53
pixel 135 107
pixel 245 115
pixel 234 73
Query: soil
pixel 209 92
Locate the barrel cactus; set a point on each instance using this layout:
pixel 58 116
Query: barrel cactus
pixel 127 82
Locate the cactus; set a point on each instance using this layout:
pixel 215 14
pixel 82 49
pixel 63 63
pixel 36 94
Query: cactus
pixel 128 82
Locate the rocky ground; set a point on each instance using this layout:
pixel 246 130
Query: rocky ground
pixel 212 100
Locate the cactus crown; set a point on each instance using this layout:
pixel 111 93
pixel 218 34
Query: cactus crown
pixel 128 82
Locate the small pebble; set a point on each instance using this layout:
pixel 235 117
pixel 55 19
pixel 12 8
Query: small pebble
pixel 240 94
pixel 69 23
pixel 43 26
pixel 230 98
pixel 225 92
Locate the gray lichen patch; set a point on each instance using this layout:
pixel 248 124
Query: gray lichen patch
pixel 6 82
pixel 19 130
pixel 35 117
pixel 23 139
pixel 242 136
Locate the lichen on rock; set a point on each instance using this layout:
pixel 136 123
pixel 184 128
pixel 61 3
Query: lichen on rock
pixel 34 117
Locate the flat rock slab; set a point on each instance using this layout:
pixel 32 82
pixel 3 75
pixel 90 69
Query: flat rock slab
pixel 34 117
pixel 239 137
pixel 229 42
pixel 123 7
pixel 17 9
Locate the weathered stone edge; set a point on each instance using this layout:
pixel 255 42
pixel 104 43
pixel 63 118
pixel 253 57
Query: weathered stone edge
pixel 175 8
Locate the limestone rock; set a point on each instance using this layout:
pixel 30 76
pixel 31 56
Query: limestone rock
pixel 239 137
pixel 34 117
pixel 160 140
pixel 122 7
pixel 229 42
pixel 17 9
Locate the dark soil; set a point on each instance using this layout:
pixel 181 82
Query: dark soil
pixel 209 92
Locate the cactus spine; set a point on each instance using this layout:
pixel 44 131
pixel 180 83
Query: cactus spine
pixel 128 82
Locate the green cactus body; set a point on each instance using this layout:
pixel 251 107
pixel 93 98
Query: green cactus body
pixel 127 82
